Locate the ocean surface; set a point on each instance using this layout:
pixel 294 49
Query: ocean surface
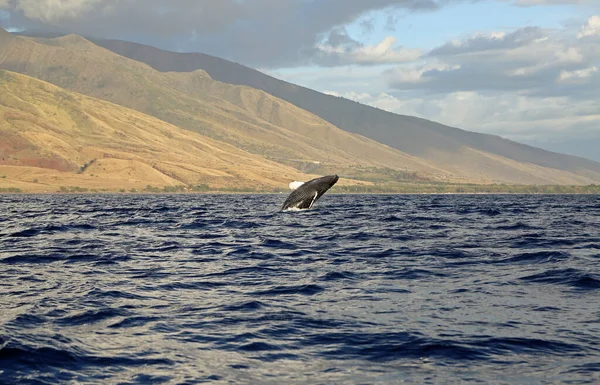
pixel 362 289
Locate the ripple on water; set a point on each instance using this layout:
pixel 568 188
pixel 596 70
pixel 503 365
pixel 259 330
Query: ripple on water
pixel 360 289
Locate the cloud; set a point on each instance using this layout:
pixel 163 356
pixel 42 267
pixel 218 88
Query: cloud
pixel 530 61
pixel 530 84
pixel 514 116
pixel 391 22
pixel 260 33
pixel 409 77
pixel 338 37
pixel 367 25
pixel 530 3
pixel 582 75
pixel 591 28
pixel 343 79
pixel 51 11
pixel 339 49
pixel 481 42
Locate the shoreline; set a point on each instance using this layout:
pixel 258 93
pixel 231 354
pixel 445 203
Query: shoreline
pixel 284 193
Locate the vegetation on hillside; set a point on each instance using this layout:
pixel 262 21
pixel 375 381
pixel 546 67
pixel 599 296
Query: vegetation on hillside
pixel 354 189
pixel 453 188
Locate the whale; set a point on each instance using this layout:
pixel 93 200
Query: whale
pixel 306 194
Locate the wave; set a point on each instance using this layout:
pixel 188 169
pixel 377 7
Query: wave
pixel 537 257
pixel 151 289
pixel 575 278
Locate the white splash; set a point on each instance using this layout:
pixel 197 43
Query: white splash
pixel 295 184
pixel 294 209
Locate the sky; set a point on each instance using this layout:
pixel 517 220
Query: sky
pixel 527 70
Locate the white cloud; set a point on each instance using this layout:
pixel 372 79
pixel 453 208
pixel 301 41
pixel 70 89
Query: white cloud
pixel 491 41
pixel 514 116
pixel 578 76
pixel 529 61
pixel 383 53
pixel 52 11
pixel 383 100
pixel 530 84
pixel 591 28
pixel 530 3
pixel 343 79
pixel 416 73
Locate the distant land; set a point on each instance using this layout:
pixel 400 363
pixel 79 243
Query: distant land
pixel 588 147
pixel 141 119
pixel 418 137
pixel 54 138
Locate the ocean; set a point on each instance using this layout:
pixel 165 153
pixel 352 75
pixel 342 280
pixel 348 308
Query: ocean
pixel 362 289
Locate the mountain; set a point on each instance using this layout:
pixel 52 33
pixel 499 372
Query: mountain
pixel 457 149
pixel 52 137
pixel 262 124
pixel 241 116
pixel 587 147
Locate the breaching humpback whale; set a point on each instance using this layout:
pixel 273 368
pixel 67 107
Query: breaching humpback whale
pixel 306 194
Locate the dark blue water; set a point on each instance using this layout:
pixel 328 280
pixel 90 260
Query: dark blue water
pixel 361 289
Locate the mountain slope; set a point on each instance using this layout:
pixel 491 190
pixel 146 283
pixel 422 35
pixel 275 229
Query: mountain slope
pixel 247 118
pixel 414 136
pixel 260 123
pixel 52 137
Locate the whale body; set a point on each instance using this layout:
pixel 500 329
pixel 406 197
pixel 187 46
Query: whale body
pixel 306 194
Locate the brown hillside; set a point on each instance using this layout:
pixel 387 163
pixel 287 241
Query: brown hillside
pixel 48 135
pixel 256 121
pixel 247 118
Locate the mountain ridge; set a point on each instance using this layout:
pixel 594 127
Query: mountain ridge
pixel 102 83
pixel 321 105
pixel 256 121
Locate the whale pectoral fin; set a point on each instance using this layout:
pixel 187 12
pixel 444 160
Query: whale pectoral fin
pixel 313 200
pixel 295 184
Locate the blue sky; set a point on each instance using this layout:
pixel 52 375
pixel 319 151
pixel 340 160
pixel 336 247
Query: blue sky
pixel 429 29
pixel 528 70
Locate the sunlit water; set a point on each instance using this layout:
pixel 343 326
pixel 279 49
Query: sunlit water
pixel 360 289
